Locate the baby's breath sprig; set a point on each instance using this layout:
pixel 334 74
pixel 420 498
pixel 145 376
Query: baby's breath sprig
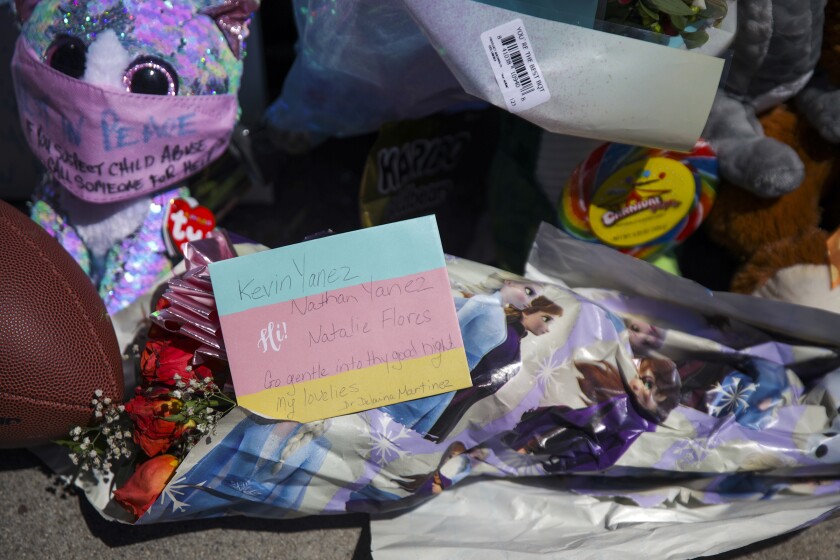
pixel 99 448
pixel 204 404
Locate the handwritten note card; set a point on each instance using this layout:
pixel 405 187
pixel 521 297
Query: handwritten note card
pixel 341 324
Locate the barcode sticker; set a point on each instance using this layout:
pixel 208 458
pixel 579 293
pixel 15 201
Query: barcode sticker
pixel 515 66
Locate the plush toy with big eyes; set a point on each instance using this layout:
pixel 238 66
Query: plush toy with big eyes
pixel 122 100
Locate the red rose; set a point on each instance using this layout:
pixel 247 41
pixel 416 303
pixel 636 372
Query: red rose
pixel 164 358
pixel 148 411
pixel 162 303
pixel 146 484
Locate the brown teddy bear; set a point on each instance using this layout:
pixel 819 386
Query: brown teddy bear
pixel 782 242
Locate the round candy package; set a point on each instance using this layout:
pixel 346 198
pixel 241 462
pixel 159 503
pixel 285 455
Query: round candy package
pixel 640 201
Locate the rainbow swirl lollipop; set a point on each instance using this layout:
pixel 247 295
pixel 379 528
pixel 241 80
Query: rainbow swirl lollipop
pixel 641 201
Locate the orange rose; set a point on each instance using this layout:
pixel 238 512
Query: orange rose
pixel 146 484
pixel 152 432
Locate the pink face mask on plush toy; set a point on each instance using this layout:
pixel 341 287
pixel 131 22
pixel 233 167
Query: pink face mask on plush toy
pixel 124 98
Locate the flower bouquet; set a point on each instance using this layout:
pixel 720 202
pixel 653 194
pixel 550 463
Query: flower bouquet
pixel 176 405
pixel 178 401
pixel 616 378
pixel 574 72
pixel 688 19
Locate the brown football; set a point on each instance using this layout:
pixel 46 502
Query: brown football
pixel 57 344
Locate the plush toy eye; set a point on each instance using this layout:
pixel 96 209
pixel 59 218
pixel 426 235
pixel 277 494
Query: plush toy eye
pixel 151 76
pixel 68 55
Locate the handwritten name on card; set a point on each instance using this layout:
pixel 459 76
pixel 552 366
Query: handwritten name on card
pixel 341 324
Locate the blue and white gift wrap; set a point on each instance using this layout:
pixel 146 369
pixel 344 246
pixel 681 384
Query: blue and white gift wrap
pixel 563 399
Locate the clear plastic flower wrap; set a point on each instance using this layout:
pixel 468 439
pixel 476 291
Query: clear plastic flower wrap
pixel 360 63
pixel 363 63
pixel 659 378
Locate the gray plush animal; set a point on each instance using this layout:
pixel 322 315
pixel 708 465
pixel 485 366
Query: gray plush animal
pixel 776 51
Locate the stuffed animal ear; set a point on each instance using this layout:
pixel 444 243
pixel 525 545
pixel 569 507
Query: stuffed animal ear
pixel 24 8
pixel 233 17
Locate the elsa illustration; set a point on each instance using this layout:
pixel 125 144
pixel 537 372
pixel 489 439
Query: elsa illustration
pixel 644 337
pixel 499 364
pixel 267 463
pixel 484 326
pixel 481 316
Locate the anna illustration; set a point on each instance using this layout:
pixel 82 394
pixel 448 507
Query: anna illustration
pixel 500 364
pixel 655 388
pixel 595 437
pixel 715 379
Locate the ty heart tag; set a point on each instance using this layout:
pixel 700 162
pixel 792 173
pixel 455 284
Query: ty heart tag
pixel 186 221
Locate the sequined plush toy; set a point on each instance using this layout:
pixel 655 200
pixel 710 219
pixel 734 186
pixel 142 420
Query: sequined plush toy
pixel 122 100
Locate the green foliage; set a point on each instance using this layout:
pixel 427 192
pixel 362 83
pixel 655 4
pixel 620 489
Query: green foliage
pixel 686 18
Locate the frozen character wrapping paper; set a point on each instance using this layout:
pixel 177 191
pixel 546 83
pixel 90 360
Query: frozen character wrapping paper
pixel 564 393
pixel 123 101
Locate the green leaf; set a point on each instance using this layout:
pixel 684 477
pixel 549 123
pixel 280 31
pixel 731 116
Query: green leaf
pixel 673 7
pixel 715 9
pixel 695 39
pixel 679 22
pixel 645 11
